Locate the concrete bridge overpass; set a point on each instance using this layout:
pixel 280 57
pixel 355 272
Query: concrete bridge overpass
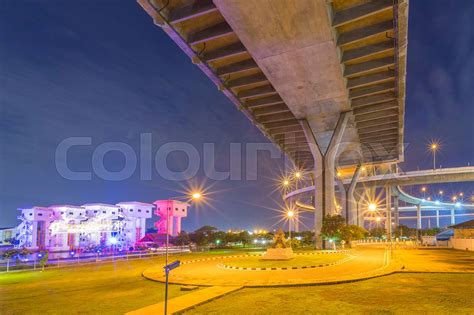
pixel 323 80
pixel 392 182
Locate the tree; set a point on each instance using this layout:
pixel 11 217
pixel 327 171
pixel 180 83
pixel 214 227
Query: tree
pixel 332 226
pixel 182 238
pixel 403 230
pixel 244 238
pixel 44 259
pixel 202 236
pixel 217 238
pixel 377 232
pixel 353 232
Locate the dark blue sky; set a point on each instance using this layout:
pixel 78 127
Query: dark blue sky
pixel 102 69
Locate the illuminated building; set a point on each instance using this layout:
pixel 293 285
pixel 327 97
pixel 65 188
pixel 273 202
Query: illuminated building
pixel 170 211
pixel 64 227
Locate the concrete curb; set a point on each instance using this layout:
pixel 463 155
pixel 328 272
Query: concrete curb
pixel 254 255
pixel 341 261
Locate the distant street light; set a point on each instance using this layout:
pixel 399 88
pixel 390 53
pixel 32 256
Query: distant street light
pixel 372 207
pixel 298 174
pixel 434 147
pixel 290 214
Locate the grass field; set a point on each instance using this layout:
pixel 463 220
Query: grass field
pixel 297 261
pixel 395 294
pixel 115 288
pixel 108 288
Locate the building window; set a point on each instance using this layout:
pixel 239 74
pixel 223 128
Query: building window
pixel 131 210
pixel 31 213
pixel 40 214
pixel 148 211
pixel 70 213
pixel 183 210
pixel 104 211
pixel 62 212
pixel 95 211
pixel 139 210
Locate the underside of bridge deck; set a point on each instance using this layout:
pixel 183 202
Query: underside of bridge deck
pixel 323 80
pixel 284 61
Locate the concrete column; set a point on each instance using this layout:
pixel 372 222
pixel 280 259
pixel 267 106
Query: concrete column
pixel 395 211
pixel 437 218
pixel 297 220
pixel 388 212
pixel 324 166
pixel 418 217
pixel 453 220
pixel 342 197
pixel 351 203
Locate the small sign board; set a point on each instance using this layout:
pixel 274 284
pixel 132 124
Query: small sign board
pixel 173 265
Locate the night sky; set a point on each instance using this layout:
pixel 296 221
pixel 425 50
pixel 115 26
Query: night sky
pixel 101 69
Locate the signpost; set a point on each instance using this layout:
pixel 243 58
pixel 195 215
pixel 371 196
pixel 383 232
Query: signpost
pixel 168 268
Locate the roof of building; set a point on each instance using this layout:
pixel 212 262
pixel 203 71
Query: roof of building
pixel 6 228
pixel 66 206
pixel 35 208
pixel 135 203
pixel 98 204
pixel 465 225
pixel 170 200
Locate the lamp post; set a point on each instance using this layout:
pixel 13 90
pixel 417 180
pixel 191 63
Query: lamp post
pixel 434 147
pixel 168 267
pixel 290 214
pixel 194 196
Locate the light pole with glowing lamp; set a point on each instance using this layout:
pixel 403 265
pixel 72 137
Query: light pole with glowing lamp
pixel 434 147
pixel 194 196
pixel 290 214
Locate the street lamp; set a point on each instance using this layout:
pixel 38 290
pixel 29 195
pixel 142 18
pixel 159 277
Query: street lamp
pixel 290 214
pixel 193 196
pixel 372 207
pixel 434 147
pixel 423 189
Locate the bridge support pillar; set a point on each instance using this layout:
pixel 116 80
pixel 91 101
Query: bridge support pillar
pixel 418 217
pixel 324 169
pixel 437 218
pixel 351 203
pixel 395 212
pixel 453 219
pixel 388 212
pixel 342 197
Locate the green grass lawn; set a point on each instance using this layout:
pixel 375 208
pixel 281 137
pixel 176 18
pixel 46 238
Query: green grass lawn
pixel 297 261
pixel 105 288
pixel 395 294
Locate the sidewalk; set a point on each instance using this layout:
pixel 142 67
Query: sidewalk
pixel 186 301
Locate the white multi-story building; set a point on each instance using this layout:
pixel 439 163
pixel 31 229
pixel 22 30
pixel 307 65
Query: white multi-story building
pixel 123 225
pixel 136 213
pixel 64 227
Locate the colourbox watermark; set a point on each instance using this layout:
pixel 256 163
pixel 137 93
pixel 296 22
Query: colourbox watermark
pixel 149 160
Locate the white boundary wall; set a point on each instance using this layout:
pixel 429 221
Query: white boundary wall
pixel 462 243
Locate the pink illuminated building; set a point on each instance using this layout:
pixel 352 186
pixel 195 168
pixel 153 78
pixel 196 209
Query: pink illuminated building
pixel 170 211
